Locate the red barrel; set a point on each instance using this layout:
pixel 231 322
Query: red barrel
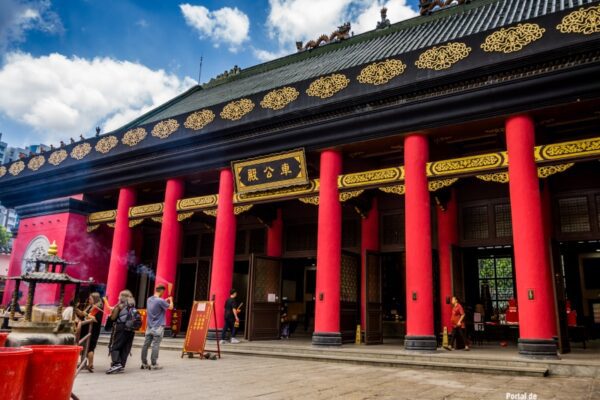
pixel 3 336
pixel 51 372
pixel 13 362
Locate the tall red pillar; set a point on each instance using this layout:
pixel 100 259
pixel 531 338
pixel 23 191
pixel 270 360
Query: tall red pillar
pixel 447 225
pixel 122 242
pixel 329 253
pixel 419 285
pixel 170 239
pixel 221 278
pixel 275 236
pixel 369 241
pixel 532 269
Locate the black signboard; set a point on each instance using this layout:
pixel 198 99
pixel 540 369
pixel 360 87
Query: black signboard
pixel 270 172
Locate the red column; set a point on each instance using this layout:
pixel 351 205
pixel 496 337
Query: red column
pixel 329 252
pixel 119 256
pixel 369 241
pixel 534 290
pixel 170 239
pixel 221 277
pixel 447 224
pixel 419 285
pixel 275 236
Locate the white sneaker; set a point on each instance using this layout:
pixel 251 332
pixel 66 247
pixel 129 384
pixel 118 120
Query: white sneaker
pixel 234 340
pixel 222 341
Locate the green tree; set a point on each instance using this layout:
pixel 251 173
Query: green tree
pixel 5 236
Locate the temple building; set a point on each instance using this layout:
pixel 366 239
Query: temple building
pixel 363 180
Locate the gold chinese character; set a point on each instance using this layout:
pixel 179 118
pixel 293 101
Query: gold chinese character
pixel 269 172
pixel 252 175
pixel 285 169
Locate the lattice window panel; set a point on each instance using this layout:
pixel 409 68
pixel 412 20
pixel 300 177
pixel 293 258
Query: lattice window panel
pixel 598 210
pixel 202 282
pixel 301 237
pixel 574 215
pixel 349 281
pixel 393 229
pixel 267 279
pixel 475 222
pixel 207 244
pixel 374 279
pixel 349 234
pixel 503 220
pixel 257 240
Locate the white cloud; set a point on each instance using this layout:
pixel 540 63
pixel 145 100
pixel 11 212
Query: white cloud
pixel 294 20
pixel 20 16
pixel 265 55
pixel 61 97
pixel 228 26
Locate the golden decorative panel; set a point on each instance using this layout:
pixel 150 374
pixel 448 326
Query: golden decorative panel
pixel 81 150
pixel 396 189
pixel 278 99
pixel 544 172
pixel 157 219
pixel 467 164
pixel 499 177
pixel 195 203
pixel 575 149
pixel 313 187
pixel 2 171
pixel 57 157
pixel 382 72
pixel 134 136
pixel 102 216
pixel 345 196
pixel 440 184
pixel 135 222
pixel 16 168
pixel 443 57
pixel 237 210
pixel 36 163
pixel 314 200
pixel 92 228
pixel 512 39
pixel 199 119
pixel 110 224
pixel 374 177
pixel 164 129
pixel 237 109
pixel 106 144
pixel 211 212
pixel 585 21
pixel 327 86
pixel 184 216
pixel 146 210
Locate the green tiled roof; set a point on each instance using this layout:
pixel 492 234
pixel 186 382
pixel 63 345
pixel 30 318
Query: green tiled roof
pixel 409 35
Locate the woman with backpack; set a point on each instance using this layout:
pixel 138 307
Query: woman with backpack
pixel 126 319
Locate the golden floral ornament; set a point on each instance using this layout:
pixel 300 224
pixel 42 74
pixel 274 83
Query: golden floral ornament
pixel 585 21
pixel 237 109
pixel 81 150
pixel 57 157
pixel 199 119
pixel 509 40
pixel 499 177
pixel 106 144
pixel 278 99
pixel 396 189
pixel 314 200
pixel 575 149
pixel 211 212
pixel 467 164
pixel 183 216
pixel 135 222
pixel 345 196
pixel 327 86
pixel 434 186
pixel 2 171
pixel 16 168
pixel 36 163
pixel 373 177
pixel 237 210
pixel 92 228
pixel 382 72
pixel 134 136
pixel 157 219
pixel 544 172
pixel 164 129
pixel 443 57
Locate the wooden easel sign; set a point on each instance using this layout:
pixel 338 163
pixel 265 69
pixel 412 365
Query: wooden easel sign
pixel 197 332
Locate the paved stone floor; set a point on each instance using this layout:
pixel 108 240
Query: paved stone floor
pixel 240 377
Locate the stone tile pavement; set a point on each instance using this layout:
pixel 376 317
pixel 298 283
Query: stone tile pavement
pixel 241 377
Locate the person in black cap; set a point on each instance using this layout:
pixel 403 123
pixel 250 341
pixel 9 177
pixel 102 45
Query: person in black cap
pixel 231 317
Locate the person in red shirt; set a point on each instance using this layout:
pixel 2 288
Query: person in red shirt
pixel 458 325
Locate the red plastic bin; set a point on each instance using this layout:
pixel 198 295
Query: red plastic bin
pixel 51 372
pixel 13 362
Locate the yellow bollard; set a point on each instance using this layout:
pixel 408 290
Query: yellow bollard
pixel 357 340
pixel 445 338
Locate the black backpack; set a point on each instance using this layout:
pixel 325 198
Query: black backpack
pixel 134 320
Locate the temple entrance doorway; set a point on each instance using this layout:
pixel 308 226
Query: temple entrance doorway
pixel 192 285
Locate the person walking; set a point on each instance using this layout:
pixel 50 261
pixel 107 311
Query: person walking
pixel 156 308
pixel 122 336
pixel 458 326
pixel 92 311
pixel 231 317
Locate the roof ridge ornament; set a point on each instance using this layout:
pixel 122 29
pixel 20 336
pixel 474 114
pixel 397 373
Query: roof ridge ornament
pixel 427 6
pixel 342 33
pixel 385 22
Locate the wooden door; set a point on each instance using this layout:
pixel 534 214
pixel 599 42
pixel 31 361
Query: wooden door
pixel 349 296
pixel 202 286
pixel 374 303
pixel 264 298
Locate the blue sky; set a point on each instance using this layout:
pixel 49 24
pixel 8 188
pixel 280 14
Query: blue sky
pixel 69 65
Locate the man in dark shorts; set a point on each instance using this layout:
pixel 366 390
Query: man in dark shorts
pixel 231 317
pixel 156 308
